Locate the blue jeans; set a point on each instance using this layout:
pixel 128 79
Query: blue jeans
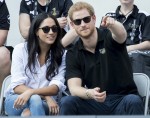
pixel 113 105
pixel 36 105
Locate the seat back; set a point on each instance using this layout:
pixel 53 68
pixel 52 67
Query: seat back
pixel 142 82
pixel 5 84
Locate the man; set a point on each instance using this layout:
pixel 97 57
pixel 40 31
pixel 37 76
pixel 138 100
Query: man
pixel 138 35
pixel 98 69
pixel 31 8
pixel 5 51
pixel 134 21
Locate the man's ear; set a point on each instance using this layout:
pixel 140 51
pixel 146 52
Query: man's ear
pixel 71 24
pixel 94 18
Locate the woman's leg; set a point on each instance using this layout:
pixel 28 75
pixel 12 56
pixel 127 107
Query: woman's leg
pixel 36 106
pixel 9 106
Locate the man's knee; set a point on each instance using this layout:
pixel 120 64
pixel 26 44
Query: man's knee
pixel 68 101
pixel 4 57
pixel 68 105
pixel 5 63
pixel 133 99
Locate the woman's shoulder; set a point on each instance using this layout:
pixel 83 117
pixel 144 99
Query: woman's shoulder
pixel 21 46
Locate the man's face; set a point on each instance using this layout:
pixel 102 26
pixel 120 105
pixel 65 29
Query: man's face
pixel 83 23
pixel 126 1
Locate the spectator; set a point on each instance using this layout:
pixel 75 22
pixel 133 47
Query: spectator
pixel 5 51
pixel 30 8
pixel 133 20
pixel 38 67
pixel 98 68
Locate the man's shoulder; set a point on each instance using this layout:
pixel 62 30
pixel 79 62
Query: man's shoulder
pixel 2 2
pixel 28 2
pixel 74 47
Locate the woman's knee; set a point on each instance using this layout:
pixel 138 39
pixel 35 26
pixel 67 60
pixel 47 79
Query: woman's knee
pixel 9 106
pixel 35 100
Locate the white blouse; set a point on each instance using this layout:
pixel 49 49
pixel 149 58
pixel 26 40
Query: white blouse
pixel 37 80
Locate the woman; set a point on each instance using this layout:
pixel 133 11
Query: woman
pixel 38 67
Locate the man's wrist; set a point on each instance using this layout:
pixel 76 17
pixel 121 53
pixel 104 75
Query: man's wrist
pixel 88 95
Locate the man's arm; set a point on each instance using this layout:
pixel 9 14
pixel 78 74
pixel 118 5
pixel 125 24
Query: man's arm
pixel 75 88
pixel 24 24
pixel 69 37
pixel 4 22
pixel 141 46
pixel 117 29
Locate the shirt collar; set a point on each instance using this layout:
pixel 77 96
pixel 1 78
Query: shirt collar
pixel 133 14
pixel 80 42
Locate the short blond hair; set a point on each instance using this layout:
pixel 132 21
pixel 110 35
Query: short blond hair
pixel 80 5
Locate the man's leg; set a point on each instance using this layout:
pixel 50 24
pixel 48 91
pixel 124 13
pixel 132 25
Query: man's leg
pixel 71 105
pixel 130 104
pixel 5 64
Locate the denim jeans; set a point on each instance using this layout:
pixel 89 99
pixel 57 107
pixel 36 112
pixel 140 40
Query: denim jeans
pixel 113 105
pixel 36 105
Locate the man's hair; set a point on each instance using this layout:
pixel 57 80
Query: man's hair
pixel 78 6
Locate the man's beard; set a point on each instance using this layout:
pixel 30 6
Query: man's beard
pixel 85 36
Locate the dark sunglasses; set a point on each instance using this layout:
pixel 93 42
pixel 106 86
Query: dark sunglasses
pixel 46 29
pixel 86 19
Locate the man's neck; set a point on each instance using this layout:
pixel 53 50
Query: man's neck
pixel 42 2
pixel 90 43
pixel 126 9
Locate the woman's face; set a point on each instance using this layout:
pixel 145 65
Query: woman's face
pixel 47 31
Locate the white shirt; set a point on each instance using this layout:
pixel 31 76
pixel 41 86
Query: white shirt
pixel 38 80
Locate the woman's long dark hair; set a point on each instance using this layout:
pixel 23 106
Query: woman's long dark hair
pixel 54 55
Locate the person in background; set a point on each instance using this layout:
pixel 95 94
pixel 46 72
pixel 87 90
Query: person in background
pixel 38 68
pixel 97 87
pixel 5 51
pixel 31 8
pixel 134 21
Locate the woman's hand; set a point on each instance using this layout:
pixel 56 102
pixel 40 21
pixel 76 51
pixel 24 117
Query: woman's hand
pixel 22 99
pixel 53 106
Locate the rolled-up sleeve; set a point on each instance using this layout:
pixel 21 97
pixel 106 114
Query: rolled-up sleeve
pixel 18 67
pixel 59 79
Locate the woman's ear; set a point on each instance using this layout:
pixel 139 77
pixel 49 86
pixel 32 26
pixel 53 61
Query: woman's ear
pixel 37 33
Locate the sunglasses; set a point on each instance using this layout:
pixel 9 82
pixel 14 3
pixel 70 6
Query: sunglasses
pixel 46 29
pixel 86 19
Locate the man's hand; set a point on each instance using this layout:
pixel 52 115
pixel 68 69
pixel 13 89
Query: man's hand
pixel 62 22
pixel 97 95
pixel 107 22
